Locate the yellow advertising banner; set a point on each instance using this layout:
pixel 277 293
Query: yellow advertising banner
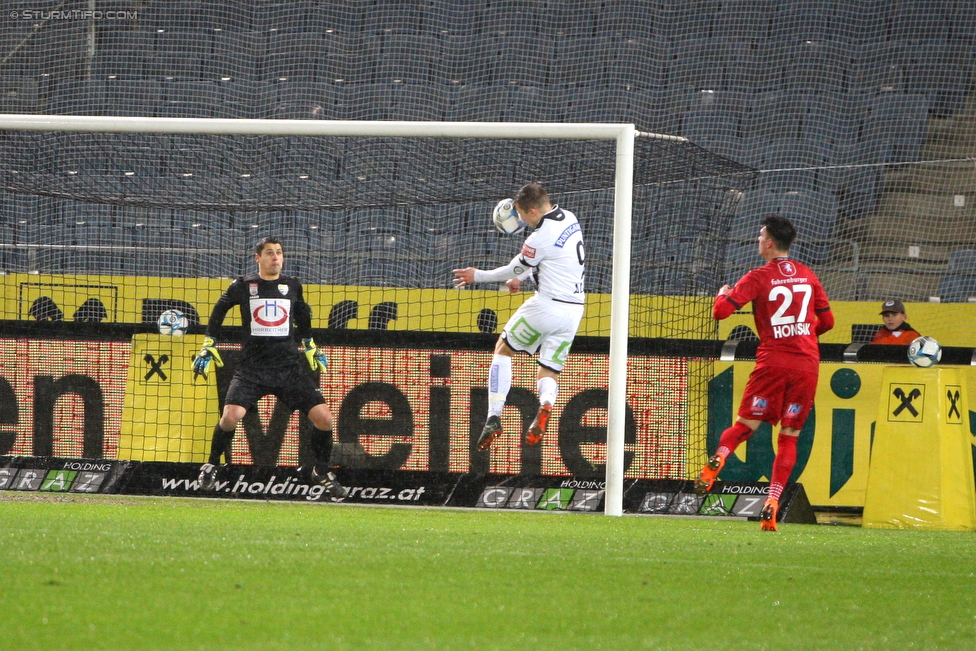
pixel 921 474
pixel 168 414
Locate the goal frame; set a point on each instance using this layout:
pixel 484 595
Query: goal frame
pixel 623 134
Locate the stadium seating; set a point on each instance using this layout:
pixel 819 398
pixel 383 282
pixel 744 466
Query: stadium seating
pixel 623 19
pixel 747 20
pixel 582 61
pixel 861 21
pixel 899 120
pixel 785 86
pixel 577 19
pixel 918 19
pixel 406 58
pixel 698 63
pixel 799 22
pixel 640 62
pixel 959 282
pixel 957 288
pixel 822 65
pixel 453 18
pixel 684 19
pixel 18 95
pixel 304 100
pixel 715 130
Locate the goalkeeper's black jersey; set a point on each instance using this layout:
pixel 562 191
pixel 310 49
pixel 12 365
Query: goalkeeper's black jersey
pixel 274 319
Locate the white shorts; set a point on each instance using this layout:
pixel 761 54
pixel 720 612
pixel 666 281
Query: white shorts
pixel 545 326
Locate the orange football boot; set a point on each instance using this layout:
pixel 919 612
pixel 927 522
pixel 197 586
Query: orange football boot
pixel 538 427
pixel 768 515
pixel 708 474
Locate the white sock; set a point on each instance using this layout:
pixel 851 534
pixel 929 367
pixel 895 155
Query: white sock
pixel 548 390
pixel 499 382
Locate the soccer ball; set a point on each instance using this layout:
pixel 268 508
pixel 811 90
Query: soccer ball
pixel 173 322
pixel 506 217
pixel 924 352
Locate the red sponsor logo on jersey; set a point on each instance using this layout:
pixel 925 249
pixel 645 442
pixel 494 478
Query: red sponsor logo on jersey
pixel 528 251
pixel 270 314
pixel 787 268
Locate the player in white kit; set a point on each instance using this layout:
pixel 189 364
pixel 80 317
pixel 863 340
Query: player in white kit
pixel 546 323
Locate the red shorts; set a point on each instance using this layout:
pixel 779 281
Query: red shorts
pixel 776 394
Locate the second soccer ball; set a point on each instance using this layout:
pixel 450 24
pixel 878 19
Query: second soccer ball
pixel 924 352
pixel 506 218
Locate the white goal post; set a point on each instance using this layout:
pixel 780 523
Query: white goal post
pixel 623 134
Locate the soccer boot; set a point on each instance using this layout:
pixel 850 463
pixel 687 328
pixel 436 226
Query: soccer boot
pixel 492 430
pixel 328 481
pixel 708 474
pixel 767 517
pixel 538 427
pixel 207 479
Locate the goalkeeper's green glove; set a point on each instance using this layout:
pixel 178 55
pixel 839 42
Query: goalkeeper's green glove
pixel 209 352
pixel 316 358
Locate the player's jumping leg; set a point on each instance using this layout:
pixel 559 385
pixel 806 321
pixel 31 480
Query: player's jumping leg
pixel 730 440
pixel 548 390
pixel 499 383
pixel 782 468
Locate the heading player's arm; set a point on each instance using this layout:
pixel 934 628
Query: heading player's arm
pixel 470 275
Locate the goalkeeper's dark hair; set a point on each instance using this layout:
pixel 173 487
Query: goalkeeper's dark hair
pixel 531 195
pixel 264 241
pixel 780 230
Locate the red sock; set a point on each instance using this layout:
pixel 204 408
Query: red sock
pixel 731 438
pixel 783 465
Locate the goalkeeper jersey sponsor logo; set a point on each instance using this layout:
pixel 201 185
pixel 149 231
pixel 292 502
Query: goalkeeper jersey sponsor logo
pixel 270 317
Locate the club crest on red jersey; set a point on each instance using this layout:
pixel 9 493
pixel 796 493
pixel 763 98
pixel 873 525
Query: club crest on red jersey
pixel 787 267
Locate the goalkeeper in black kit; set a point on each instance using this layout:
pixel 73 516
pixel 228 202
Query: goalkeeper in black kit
pixel 273 312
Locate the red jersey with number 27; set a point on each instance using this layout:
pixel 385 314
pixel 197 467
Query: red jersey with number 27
pixel 790 308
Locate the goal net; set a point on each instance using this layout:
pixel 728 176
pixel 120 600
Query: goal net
pixel 383 219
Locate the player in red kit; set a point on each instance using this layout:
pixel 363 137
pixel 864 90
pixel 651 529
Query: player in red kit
pixel 791 310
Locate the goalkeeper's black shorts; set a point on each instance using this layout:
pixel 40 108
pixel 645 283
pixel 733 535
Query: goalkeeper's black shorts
pixel 294 386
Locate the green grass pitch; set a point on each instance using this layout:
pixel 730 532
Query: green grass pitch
pixel 138 573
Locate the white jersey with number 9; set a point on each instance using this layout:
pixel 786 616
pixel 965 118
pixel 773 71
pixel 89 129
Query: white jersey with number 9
pixel 555 251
